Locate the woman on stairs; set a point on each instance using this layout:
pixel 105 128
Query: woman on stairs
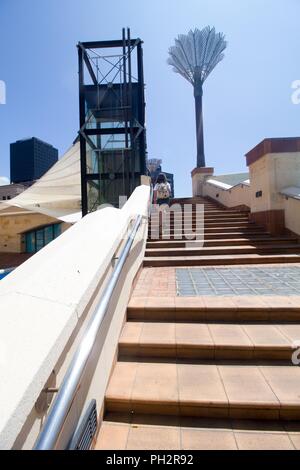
pixel 162 190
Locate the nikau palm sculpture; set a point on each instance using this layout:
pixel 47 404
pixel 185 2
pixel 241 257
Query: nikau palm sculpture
pixel 194 56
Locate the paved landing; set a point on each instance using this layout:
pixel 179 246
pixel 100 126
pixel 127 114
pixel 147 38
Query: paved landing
pixel 261 280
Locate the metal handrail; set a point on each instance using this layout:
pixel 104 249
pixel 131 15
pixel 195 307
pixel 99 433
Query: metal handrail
pixel 67 391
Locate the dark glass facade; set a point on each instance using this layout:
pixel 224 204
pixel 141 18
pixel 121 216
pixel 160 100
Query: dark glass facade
pixel 30 159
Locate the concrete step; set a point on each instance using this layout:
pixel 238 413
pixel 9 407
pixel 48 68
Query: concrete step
pixel 224 250
pixel 207 309
pixel 127 431
pixel 220 260
pixel 212 341
pixel 223 242
pixel 205 390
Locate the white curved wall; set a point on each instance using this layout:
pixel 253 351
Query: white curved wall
pixel 46 300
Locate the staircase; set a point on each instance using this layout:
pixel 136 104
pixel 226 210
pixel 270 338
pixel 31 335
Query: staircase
pixel 207 372
pixel 229 238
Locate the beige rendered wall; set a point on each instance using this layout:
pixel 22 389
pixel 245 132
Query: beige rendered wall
pixel 234 197
pixel 14 221
pixel 199 176
pixel 292 214
pixel 270 174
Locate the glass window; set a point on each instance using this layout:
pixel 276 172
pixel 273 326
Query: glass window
pixel 39 239
pixel 48 234
pixel 57 230
pixel 30 242
pixel 35 240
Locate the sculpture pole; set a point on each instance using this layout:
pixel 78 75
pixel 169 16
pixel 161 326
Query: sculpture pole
pixel 198 94
pixel 194 56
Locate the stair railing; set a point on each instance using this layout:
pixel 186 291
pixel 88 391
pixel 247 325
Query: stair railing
pixel 56 418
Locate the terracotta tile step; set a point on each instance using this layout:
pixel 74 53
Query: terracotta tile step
pixel 213 341
pixel 224 250
pixel 211 212
pixel 126 431
pixel 237 309
pixel 194 200
pixel 220 260
pixel 232 223
pixel 191 212
pixel 221 235
pixel 207 223
pixel 207 206
pixel 197 201
pixel 213 215
pixel 193 207
pixel 182 217
pixel 222 242
pixel 228 229
pixel 236 391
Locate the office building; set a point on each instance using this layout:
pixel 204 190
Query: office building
pixel 30 159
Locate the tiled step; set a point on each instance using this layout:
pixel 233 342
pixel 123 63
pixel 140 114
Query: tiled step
pixel 126 431
pixel 220 260
pixel 228 229
pixel 217 235
pixel 217 224
pixel 196 200
pixel 222 215
pixel 179 218
pixel 194 204
pixel 214 213
pixel 212 341
pixel 223 250
pixel 205 390
pixel 230 309
pixel 223 242
pixel 188 225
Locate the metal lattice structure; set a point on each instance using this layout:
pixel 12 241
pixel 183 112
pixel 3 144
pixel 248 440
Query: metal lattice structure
pixel 112 119
pixel 194 56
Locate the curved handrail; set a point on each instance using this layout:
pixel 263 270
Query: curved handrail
pixel 67 391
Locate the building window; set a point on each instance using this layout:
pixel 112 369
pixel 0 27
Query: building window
pixel 36 239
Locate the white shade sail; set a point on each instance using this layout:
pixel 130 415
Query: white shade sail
pixel 57 193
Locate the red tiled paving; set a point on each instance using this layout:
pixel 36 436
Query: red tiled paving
pixel 12 260
pixel 156 282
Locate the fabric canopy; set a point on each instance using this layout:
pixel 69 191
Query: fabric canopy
pixel 57 193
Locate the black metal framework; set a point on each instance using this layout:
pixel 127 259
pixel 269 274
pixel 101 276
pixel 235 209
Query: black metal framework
pixel 112 119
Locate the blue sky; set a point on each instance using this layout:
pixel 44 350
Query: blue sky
pixel 246 98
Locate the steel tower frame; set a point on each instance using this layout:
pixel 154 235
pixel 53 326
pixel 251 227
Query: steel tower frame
pixel 128 91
